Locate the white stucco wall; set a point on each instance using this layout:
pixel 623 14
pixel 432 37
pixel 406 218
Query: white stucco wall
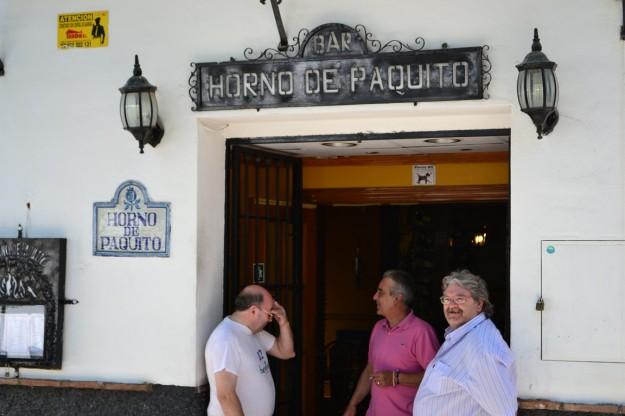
pixel 62 148
pixel 62 142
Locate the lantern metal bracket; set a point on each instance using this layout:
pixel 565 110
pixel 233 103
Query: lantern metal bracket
pixel 549 123
pixel 151 136
pixel 276 13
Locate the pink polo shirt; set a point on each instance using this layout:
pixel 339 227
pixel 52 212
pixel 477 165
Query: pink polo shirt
pixel 408 347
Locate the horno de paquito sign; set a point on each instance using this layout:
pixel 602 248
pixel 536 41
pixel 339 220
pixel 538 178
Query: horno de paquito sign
pixel 131 224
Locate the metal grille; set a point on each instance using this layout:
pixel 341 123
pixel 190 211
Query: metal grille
pixel 263 246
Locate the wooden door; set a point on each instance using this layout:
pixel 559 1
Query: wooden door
pixel 263 246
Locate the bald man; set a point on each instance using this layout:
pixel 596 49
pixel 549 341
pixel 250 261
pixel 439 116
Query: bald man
pixel 236 356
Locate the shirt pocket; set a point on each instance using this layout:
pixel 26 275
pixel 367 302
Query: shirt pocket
pixel 439 378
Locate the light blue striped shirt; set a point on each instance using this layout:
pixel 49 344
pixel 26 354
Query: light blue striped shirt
pixel 473 374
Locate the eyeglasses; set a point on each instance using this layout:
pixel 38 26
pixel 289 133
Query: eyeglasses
pixel 269 314
pixel 445 300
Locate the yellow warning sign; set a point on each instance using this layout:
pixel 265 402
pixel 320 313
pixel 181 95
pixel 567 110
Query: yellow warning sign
pixel 83 30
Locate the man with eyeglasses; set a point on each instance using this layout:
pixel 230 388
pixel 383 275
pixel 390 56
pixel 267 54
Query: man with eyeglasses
pixel 400 347
pixel 236 355
pixel 473 373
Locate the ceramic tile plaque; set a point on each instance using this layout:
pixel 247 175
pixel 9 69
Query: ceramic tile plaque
pixel 131 225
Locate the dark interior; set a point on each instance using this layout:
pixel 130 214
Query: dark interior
pixel 356 245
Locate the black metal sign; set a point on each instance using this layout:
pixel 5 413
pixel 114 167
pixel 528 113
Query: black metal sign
pixel 32 295
pixel 335 65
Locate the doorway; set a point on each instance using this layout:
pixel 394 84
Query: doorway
pixel 343 239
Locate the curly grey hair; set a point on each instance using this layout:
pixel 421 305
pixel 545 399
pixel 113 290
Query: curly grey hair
pixel 474 284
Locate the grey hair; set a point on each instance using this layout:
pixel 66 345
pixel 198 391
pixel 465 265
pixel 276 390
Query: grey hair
pixel 403 284
pixel 246 299
pixel 474 284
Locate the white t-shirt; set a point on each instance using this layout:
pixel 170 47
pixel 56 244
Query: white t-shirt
pixel 233 347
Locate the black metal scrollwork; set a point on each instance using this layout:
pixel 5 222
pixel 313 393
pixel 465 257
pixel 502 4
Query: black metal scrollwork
pixel 32 274
pixel 375 46
pixel 317 49
pixel 486 68
pixel 193 86
pixel 292 51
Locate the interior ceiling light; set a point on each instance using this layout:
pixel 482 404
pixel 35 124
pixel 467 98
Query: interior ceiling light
pixel 479 239
pixel 442 140
pixel 339 144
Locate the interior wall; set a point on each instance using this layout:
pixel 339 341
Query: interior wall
pixel 351 269
pixel 460 173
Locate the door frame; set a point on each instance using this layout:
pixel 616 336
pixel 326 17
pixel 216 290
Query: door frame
pixel 386 195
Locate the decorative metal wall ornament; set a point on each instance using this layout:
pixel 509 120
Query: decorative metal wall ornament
pixel 486 68
pixel 193 80
pixel 290 52
pixel 296 49
pixel 375 46
pixel 32 273
pixel 335 64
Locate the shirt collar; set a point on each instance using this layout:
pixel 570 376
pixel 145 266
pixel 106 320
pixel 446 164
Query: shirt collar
pixel 402 324
pixel 453 334
pixel 239 326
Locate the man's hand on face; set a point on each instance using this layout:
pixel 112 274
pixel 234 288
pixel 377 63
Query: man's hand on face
pixel 279 313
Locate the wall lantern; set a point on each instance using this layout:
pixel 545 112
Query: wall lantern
pixel 139 110
pixel 1 68
pixel 537 89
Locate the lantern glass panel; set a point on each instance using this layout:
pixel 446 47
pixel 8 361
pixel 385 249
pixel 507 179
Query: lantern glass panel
pixel 149 109
pixel 551 91
pixel 535 88
pixel 121 111
pixel 130 110
pixel 520 89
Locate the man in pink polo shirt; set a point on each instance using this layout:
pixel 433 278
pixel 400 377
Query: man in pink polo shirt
pixel 400 348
